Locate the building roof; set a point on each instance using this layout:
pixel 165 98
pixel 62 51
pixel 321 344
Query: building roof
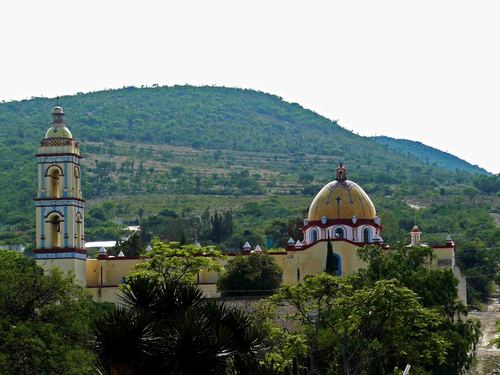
pixel 341 199
pixel 58 129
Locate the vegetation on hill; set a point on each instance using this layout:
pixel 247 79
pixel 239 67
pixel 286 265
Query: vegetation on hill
pixel 429 155
pixel 228 165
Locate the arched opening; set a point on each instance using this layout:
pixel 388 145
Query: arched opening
pixel 78 242
pixel 314 235
pixel 54 175
pixel 338 233
pixel 55 231
pixel 367 235
pixel 77 181
pixel 337 266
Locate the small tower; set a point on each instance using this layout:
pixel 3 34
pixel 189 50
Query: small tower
pixel 59 205
pixel 341 173
pixel 415 236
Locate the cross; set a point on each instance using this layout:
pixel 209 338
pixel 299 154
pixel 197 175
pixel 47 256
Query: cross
pixel 338 199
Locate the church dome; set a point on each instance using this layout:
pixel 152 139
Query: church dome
pixel 341 199
pixel 58 132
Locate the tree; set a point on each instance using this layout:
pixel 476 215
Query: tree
pixel 364 330
pixel 173 262
pixel 131 247
pixel 167 327
pixel 254 274
pixel 330 266
pixel 436 288
pixel 44 320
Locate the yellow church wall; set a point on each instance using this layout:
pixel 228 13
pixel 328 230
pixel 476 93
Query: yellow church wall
pixel 72 266
pixel 105 294
pixel 113 270
pixel 310 261
pixel 444 257
pixel 72 148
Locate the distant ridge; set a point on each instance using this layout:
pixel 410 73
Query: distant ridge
pixel 429 155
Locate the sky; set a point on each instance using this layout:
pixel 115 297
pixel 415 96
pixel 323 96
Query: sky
pixel 422 70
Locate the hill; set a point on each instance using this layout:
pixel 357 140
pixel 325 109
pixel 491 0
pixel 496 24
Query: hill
pixel 429 155
pixel 178 160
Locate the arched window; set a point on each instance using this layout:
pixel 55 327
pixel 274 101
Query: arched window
pixel 78 242
pixel 55 231
pixel 337 265
pixel 55 183
pixel 76 187
pixel 339 233
pixel 314 235
pixel 367 235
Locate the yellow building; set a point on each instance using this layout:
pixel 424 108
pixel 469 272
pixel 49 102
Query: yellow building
pixel 341 213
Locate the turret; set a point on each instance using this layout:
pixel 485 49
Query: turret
pixel 415 236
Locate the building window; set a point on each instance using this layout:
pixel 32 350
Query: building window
pixel 367 235
pixel 337 264
pixel 314 235
pixel 339 233
pixel 55 232
pixel 54 178
pixel 78 243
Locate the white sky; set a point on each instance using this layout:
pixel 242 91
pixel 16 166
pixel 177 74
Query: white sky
pixel 421 70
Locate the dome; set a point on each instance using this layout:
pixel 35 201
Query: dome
pixel 57 110
pixel 341 199
pixel 58 132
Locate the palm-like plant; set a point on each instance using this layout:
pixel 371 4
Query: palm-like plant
pixel 124 341
pixel 168 328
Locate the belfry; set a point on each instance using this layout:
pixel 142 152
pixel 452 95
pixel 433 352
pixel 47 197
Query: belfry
pixel 59 204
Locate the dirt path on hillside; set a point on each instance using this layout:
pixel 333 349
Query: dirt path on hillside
pixel 496 217
pixel 487 355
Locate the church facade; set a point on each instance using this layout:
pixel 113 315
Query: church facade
pixel 341 213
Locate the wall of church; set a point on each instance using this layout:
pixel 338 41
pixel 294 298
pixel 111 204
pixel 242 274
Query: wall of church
pixel 76 267
pixel 110 271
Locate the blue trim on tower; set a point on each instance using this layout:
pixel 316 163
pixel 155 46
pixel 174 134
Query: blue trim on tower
pixel 42 192
pixel 42 225
pixel 65 226
pixel 66 255
pixel 65 191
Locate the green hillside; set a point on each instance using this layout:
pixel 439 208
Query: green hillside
pixel 178 160
pixel 429 155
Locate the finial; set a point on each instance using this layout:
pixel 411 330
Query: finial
pixel 57 101
pixel 341 172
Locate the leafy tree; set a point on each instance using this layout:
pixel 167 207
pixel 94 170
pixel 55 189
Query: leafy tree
pixel 436 288
pixel 367 330
pixel 254 274
pixel 44 320
pixel 280 231
pixel 131 247
pixel 173 262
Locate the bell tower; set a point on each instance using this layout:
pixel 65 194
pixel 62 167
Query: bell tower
pixel 59 205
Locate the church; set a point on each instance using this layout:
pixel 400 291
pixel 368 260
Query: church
pixel 341 213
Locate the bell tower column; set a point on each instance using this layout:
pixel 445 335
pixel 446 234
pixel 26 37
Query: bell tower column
pixel 59 205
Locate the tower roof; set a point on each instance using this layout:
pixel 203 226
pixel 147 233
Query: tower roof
pixel 58 128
